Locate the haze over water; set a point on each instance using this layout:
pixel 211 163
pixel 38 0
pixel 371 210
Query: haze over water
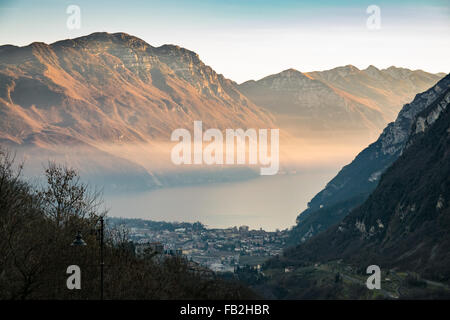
pixel 267 202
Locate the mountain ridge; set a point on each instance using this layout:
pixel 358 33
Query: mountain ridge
pixel 404 222
pixel 401 228
pixel 165 78
pixel 103 90
pixel 355 181
pixel 344 98
pixel 109 90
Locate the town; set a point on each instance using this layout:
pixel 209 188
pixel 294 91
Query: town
pixel 220 250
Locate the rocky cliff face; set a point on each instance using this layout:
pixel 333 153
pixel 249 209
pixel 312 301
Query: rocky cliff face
pixel 395 135
pixel 357 180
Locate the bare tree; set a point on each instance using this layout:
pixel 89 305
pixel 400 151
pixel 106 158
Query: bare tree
pixel 66 197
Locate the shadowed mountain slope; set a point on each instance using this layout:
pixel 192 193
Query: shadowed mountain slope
pixel 357 180
pixel 405 222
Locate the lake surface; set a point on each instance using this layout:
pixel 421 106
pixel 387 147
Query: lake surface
pixel 267 202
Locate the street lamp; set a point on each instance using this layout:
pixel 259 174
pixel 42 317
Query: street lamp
pixel 80 242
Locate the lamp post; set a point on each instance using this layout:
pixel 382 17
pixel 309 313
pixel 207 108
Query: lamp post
pixel 80 242
pixel 102 263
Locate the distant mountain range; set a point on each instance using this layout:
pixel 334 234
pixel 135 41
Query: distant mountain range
pixel 104 102
pixel 353 184
pixel 341 99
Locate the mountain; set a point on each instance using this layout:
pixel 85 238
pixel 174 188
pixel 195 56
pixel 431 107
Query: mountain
pixel 386 89
pixel 105 90
pixel 403 227
pixel 114 87
pixel 405 222
pixel 344 99
pixel 107 104
pixel 353 184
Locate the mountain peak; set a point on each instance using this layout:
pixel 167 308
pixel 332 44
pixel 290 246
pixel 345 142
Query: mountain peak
pixel 292 73
pixel 170 49
pixel 291 70
pixel 124 39
pixel 372 68
pixel 104 37
pixel 346 70
pixel 373 71
pixel 398 72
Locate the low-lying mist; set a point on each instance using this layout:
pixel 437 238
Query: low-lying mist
pixel 140 180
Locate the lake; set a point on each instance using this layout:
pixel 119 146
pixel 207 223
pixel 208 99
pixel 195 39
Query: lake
pixel 268 202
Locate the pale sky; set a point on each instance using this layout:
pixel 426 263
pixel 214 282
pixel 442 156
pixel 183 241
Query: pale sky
pixel 250 39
